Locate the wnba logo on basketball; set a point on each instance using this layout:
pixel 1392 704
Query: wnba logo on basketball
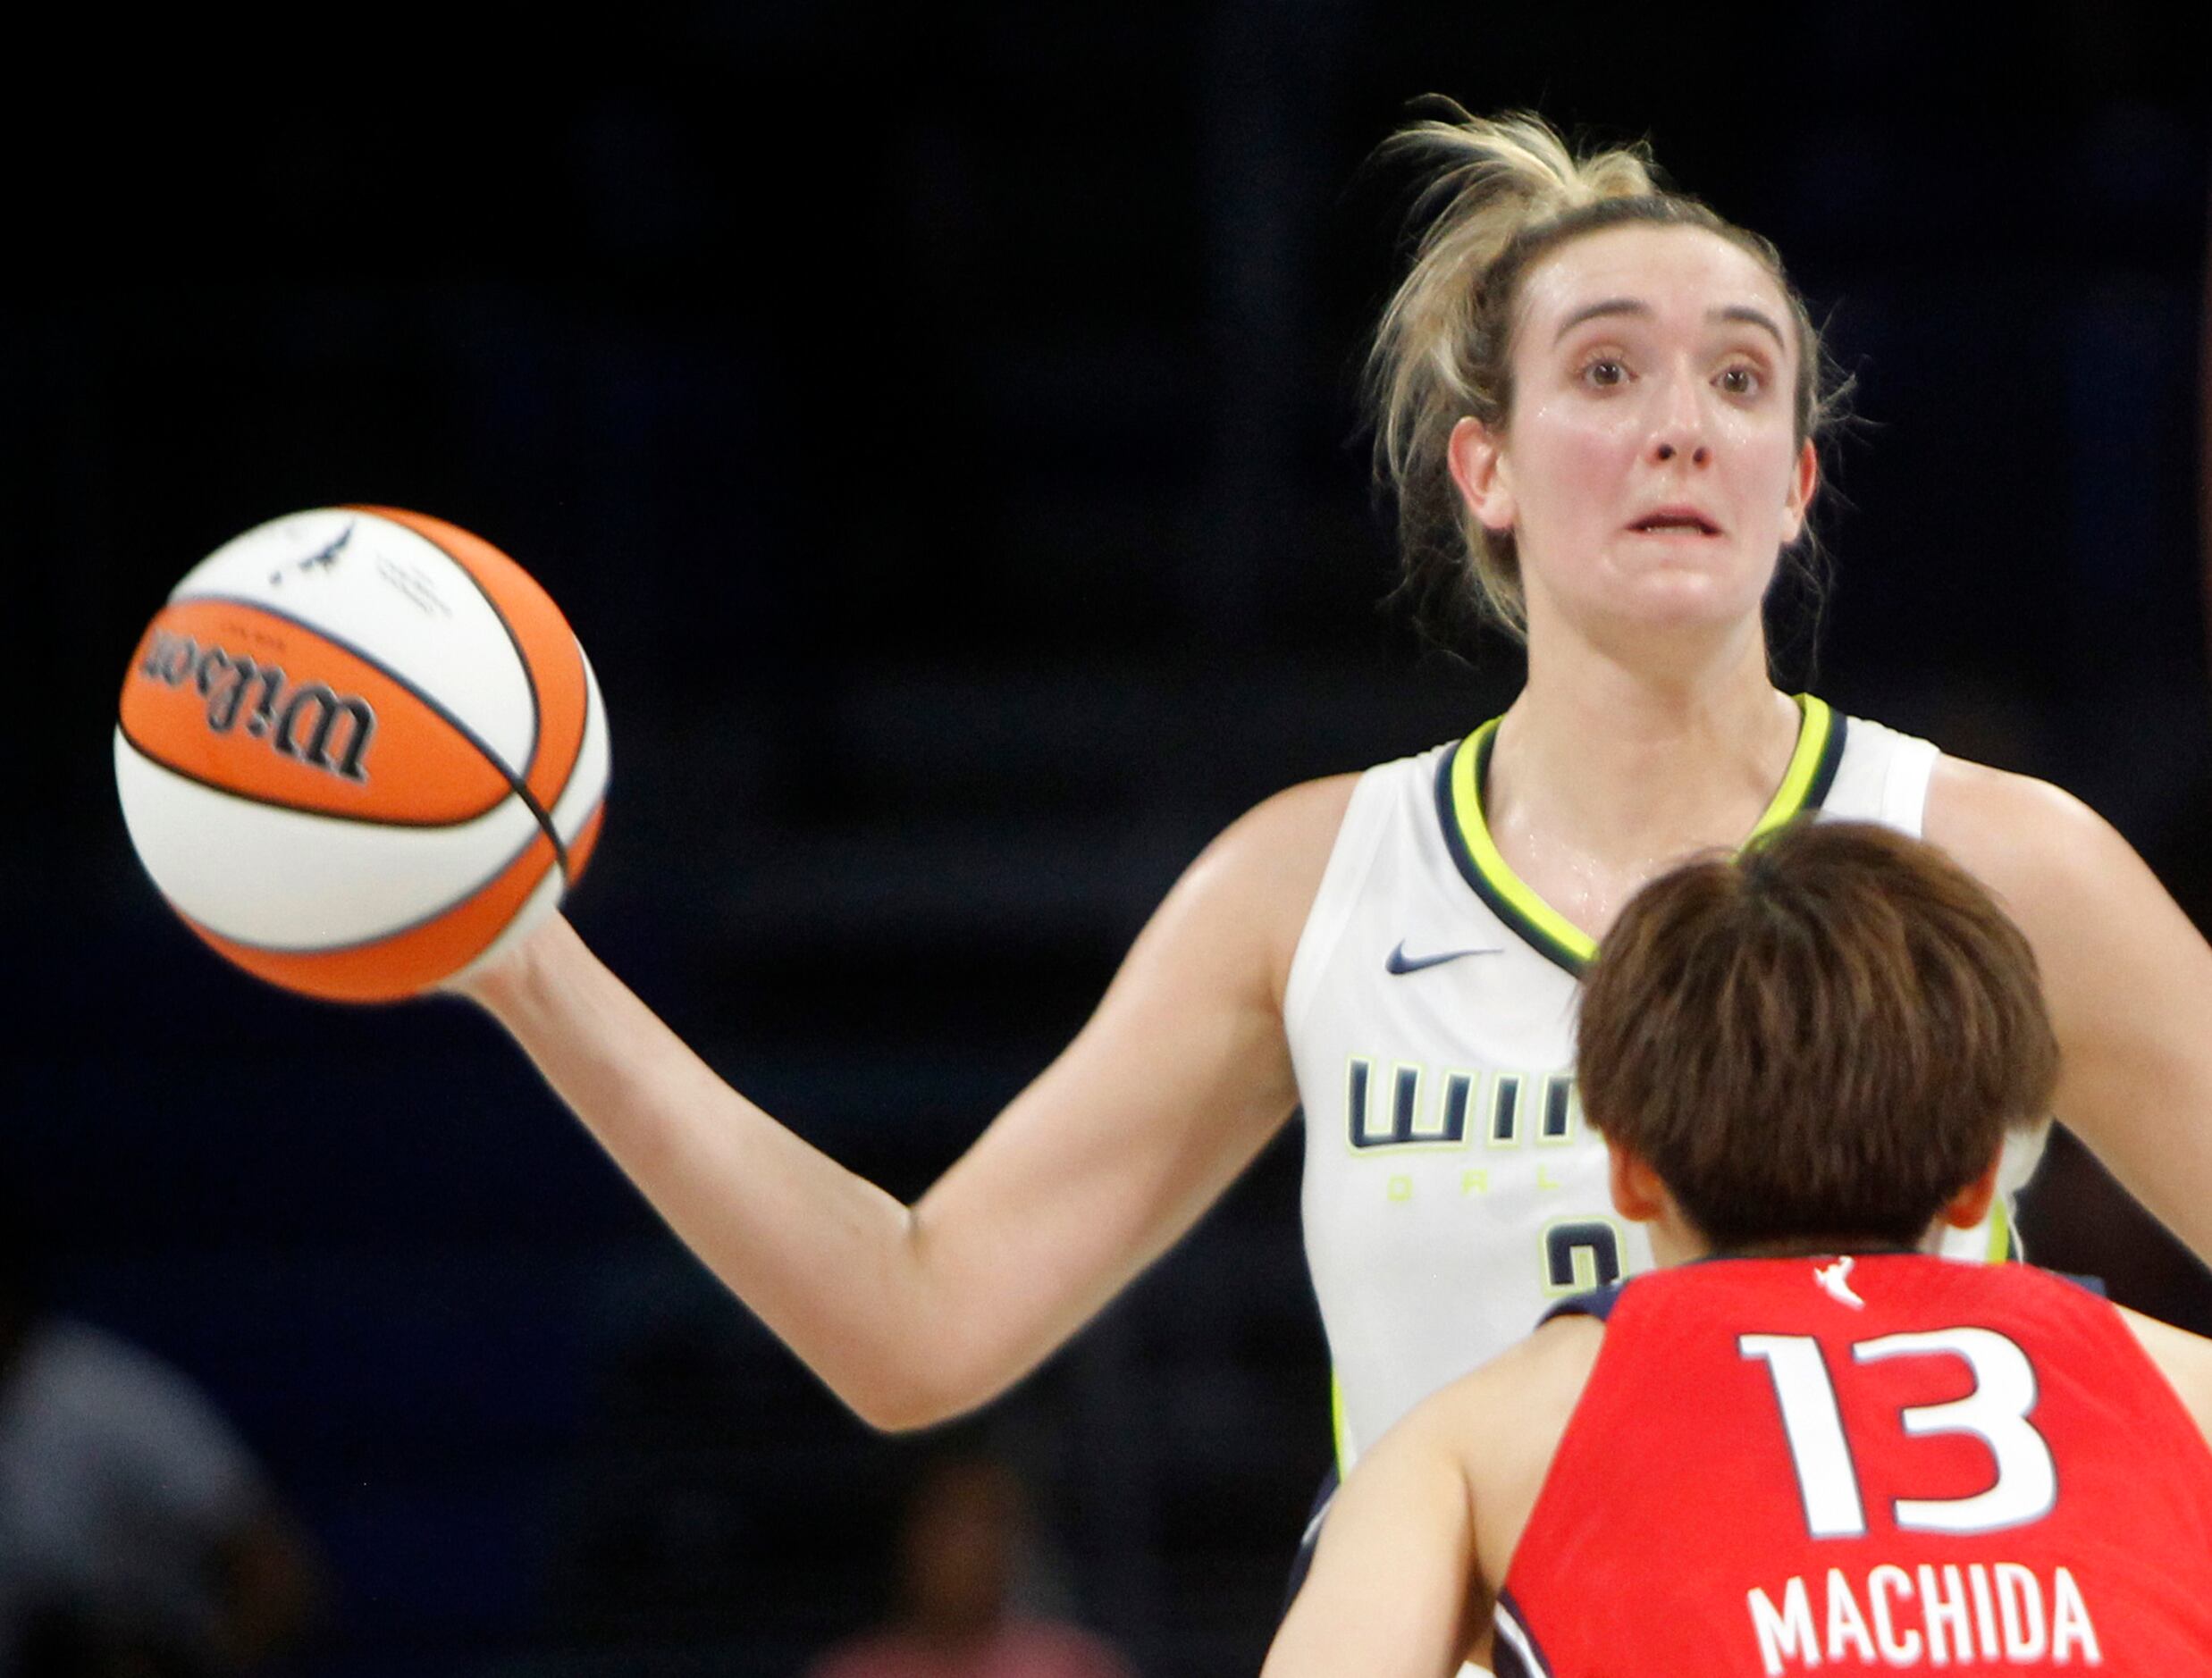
pixel 279 715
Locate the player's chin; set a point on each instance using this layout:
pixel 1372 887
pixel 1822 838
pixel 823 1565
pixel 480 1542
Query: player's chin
pixel 1705 595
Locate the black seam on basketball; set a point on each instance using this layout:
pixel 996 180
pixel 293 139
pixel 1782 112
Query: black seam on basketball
pixel 575 757
pixel 522 654
pixel 530 683
pixel 486 884
pixel 584 672
pixel 583 734
pixel 514 783
pixel 182 774
pixel 568 873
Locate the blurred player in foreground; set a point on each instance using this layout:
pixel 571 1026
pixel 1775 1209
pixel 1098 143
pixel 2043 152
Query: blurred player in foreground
pixel 1818 1445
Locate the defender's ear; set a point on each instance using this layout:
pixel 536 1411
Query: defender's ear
pixel 1971 1204
pixel 1638 1195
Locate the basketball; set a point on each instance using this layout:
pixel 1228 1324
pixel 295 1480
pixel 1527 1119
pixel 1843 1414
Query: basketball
pixel 360 750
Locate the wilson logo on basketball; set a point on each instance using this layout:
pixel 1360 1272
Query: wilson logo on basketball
pixel 309 722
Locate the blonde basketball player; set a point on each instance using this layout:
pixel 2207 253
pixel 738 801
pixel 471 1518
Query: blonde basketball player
pixel 1611 397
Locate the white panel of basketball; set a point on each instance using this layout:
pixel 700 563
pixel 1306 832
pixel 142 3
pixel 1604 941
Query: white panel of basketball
pixel 399 599
pixel 318 881
pixel 588 782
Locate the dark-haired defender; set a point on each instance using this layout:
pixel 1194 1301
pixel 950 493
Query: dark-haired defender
pixel 1820 1446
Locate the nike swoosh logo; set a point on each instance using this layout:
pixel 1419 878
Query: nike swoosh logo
pixel 1400 962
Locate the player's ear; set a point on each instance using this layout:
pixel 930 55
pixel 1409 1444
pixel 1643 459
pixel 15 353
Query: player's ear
pixel 1476 455
pixel 1971 1204
pixel 1638 1193
pixel 1804 483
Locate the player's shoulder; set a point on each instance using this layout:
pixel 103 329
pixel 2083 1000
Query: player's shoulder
pixel 1284 839
pixel 1248 894
pixel 2023 837
pixel 1302 812
pixel 1301 822
pixel 1268 864
pixel 1968 800
pixel 1544 1371
pixel 1501 1424
pixel 2184 1358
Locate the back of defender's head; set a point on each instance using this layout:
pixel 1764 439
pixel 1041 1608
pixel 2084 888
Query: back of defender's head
pixel 1826 1036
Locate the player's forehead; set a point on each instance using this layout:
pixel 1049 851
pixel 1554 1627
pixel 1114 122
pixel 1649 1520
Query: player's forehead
pixel 1684 278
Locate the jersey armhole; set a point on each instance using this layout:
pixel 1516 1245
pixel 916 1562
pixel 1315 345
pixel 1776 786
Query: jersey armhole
pixel 1904 788
pixel 1358 837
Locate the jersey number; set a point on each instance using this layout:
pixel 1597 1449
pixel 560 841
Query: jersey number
pixel 1579 1255
pixel 1996 1412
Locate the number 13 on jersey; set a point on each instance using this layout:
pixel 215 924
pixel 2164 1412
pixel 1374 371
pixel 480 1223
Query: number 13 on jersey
pixel 1994 1410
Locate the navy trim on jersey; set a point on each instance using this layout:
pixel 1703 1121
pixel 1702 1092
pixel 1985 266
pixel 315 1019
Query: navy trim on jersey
pixel 1598 1302
pixel 1506 909
pixel 1463 775
pixel 1514 1651
pixel 1308 1541
pixel 1824 771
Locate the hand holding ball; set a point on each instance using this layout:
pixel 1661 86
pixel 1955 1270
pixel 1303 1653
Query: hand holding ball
pixel 359 751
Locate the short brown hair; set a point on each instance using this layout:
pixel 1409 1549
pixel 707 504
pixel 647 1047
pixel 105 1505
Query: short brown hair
pixel 1828 1034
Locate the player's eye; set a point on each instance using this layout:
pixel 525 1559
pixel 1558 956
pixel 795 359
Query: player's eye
pixel 1605 372
pixel 1741 381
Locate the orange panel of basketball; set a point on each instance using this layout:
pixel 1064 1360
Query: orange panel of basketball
pixel 242 699
pixel 548 648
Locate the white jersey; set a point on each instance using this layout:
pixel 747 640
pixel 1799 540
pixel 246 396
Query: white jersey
pixel 1451 1190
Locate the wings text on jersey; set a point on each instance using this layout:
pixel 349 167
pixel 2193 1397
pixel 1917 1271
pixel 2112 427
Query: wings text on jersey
pixel 1405 1104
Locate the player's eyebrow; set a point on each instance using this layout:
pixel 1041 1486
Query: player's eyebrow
pixel 1739 312
pixel 1591 311
pixel 1750 316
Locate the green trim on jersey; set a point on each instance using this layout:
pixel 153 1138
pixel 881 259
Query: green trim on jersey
pixel 1336 1421
pixel 1467 830
pixel 2002 1246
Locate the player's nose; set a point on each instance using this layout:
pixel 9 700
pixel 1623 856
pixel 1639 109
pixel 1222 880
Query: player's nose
pixel 1678 424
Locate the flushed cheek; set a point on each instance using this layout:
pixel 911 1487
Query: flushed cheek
pixel 1762 486
pixel 1583 461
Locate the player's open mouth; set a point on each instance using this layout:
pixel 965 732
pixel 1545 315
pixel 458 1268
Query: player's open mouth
pixel 1672 521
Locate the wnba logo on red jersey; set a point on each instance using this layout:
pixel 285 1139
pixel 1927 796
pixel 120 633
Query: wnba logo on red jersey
pixel 308 722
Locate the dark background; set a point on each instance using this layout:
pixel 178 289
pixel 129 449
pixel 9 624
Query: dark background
pixel 939 424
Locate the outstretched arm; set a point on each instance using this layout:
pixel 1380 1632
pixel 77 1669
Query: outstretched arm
pixel 1394 1591
pixel 2129 979
pixel 1414 1547
pixel 912 1315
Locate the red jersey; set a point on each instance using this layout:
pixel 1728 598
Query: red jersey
pixel 1883 1462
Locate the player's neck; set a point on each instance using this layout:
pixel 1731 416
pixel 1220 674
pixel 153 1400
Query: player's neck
pixel 1810 1246
pixel 1630 761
